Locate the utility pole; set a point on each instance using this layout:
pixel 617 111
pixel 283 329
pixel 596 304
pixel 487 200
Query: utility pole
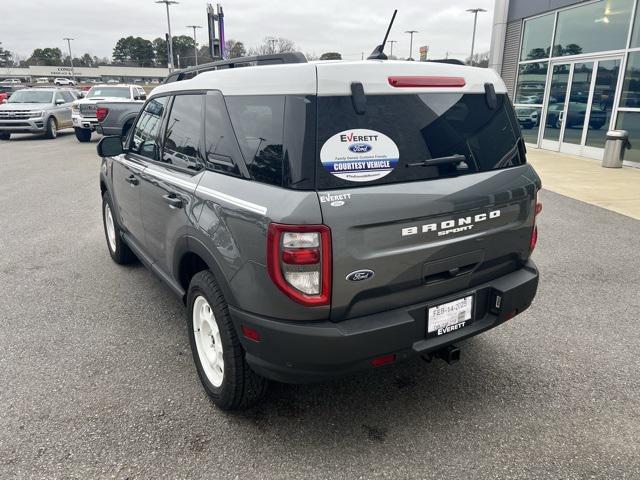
pixel 73 72
pixel 473 37
pixel 195 44
pixel 391 42
pixel 411 32
pixel 170 46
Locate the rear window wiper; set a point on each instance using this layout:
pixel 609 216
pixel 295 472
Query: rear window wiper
pixel 457 159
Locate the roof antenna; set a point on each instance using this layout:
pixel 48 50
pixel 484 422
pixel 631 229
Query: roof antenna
pixel 378 52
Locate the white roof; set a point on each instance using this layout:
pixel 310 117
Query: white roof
pixel 334 78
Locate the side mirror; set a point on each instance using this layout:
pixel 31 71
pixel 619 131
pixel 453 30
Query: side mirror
pixel 143 97
pixel 109 146
pixel 59 101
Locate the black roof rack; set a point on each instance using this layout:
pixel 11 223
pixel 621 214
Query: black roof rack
pixel 275 59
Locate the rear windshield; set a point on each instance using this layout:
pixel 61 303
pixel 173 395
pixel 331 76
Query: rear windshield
pixel 118 92
pixel 391 140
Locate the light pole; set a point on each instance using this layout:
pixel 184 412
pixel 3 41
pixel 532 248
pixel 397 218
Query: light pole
pixel 411 32
pixel 167 3
pixel 195 45
pixel 73 72
pixel 391 42
pixel 473 37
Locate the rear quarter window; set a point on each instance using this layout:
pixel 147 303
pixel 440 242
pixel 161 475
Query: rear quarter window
pixel 276 134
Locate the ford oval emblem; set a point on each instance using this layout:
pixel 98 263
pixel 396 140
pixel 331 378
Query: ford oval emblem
pixel 360 275
pixel 360 147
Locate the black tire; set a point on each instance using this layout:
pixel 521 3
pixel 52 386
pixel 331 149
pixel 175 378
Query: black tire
pixel 51 130
pixel 241 387
pixel 5 135
pixel 119 251
pixel 83 134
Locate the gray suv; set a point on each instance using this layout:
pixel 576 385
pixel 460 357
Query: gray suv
pixel 318 219
pixel 36 110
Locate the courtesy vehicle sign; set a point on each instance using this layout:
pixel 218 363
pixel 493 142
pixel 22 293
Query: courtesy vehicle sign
pixel 359 155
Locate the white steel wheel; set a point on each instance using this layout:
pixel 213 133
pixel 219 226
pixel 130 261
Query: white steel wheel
pixel 208 342
pixel 110 227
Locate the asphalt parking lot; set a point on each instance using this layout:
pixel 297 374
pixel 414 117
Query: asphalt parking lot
pixel 97 379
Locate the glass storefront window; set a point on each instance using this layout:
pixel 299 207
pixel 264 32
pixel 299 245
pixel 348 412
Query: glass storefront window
pixel 578 101
pixel 529 120
pixel 531 80
pixel 602 103
pixel 557 96
pixel 536 39
pixel 630 121
pixel 635 35
pixel 596 27
pixel 631 87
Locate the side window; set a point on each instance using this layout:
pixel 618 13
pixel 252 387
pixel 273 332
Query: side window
pixel 182 139
pixel 68 97
pixel 222 152
pixel 258 122
pixel 144 140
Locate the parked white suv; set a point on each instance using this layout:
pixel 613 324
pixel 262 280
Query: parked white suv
pixel 84 110
pixel 64 81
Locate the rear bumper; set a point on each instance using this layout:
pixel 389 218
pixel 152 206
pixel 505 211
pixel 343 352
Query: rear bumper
pixel 304 352
pixel 84 122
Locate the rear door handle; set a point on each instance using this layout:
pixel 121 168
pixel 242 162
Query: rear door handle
pixel 132 180
pixel 173 200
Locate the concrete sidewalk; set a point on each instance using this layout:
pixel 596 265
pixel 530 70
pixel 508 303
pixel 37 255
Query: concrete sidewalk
pixel 616 189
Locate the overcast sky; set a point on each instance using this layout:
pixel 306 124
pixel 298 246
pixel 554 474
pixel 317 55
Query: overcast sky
pixel 315 26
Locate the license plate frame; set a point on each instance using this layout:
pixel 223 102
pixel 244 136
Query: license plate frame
pixel 451 316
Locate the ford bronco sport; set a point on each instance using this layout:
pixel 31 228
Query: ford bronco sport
pixel 322 218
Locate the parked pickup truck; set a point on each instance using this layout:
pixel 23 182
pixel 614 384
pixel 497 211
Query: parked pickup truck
pixel 116 118
pixel 84 111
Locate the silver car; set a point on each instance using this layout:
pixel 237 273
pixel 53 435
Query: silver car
pixel 41 110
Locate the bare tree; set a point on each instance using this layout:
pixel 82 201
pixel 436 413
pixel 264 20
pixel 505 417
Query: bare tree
pixel 311 56
pixel 235 49
pixel 479 60
pixel 271 45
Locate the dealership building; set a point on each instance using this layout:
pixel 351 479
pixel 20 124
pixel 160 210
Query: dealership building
pixel 86 74
pixel 572 70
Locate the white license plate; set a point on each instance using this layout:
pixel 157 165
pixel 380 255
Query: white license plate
pixel 450 316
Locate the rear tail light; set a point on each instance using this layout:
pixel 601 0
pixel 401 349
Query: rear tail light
pixel 101 113
pixel 299 262
pixel 534 233
pixel 426 81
